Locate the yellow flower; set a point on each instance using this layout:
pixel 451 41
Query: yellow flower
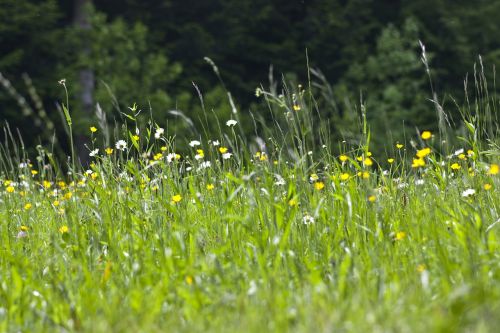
pixel 24 228
pixel 365 175
pixel 400 235
pixel 418 162
pixel 314 177
pixel 399 145
pixel 390 160
pixel 34 172
pixel 293 202
pixel 343 158
pixel 135 138
pixel 462 156
pixel 10 189
pixel 93 129
pixel 296 107
pixel 426 135
pixel 359 158
pixel 421 268
pixel 163 148
pixel 176 198
pixel 455 166
pixel 27 206
pixel 68 195
pixel 64 229
pixel 494 169
pixel 189 280
pixel 423 152
pixel 210 187
pixel 344 176
pixel 200 153
pixel 487 187
pixel 222 150
pixel 109 150
pixel 47 184
pixel 368 161
pixel 55 203
pixel 319 186
pixel 372 198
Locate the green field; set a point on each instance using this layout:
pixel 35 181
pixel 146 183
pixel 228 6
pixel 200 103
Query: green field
pixel 226 238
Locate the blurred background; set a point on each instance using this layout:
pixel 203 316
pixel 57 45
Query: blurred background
pixel 113 54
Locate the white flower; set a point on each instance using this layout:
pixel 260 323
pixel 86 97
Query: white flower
pixel 171 157
pixel 308 219
pixel 419 182
pixel 231 122
pixel 468 192
pixel 199 156
pixel 226 155
pixel 194 143
pixel 159 132
pixel 204 165
pixel 23 165
pixel 458 152
pixel 215 143
pixel 279 180
pixel 94 152
pixel 121 145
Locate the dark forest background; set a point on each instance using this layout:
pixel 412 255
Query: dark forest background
pixel 153 53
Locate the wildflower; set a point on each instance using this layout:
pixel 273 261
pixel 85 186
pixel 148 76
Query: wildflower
pixel 292 202
pixel 27 206
pixel 468 192
pixel 390 160
pixel 368 161
pixel 494 169
pixel 343 158
pixel 455 166
pixel 423 152
pixel 34 172
pixel 68 195
pixel 314 177
pixel 194 143
pixel 470 153
pixel 189 280
pixel 173 156
pixel 135 137
pixel 487 187
pixel 47 184
pixel 231 122
pixel 159 132
pixel 94 152
pixel 421 268
pixel 215 143
pixel 418 162
pixel 10 189
pixel 163 148
pixel 158 156
pixel 399 145
pixel 93 129
pixel 307 219
pixel 344 176
pixel 296 107
pixel 400 235
pixel 64 229
pixel 121 145
pixel 226 156
pixel 204 165
pixel 319 185
pixel 222 150
pixel 365 175
pixel 462 156
pixel 109 151
pixel 210 187
pixel 199 154
pixel 426 135
pixel 23 228
pixel 176 198
pixel 359 158
pixel 372 198
pixel 56 203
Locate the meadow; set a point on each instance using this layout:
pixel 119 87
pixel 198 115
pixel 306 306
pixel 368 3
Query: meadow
pixel 225 236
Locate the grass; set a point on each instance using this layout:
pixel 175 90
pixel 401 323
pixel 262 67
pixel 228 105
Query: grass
pixel 146 240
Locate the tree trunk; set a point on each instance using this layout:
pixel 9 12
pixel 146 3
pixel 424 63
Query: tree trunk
pixel 86 77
